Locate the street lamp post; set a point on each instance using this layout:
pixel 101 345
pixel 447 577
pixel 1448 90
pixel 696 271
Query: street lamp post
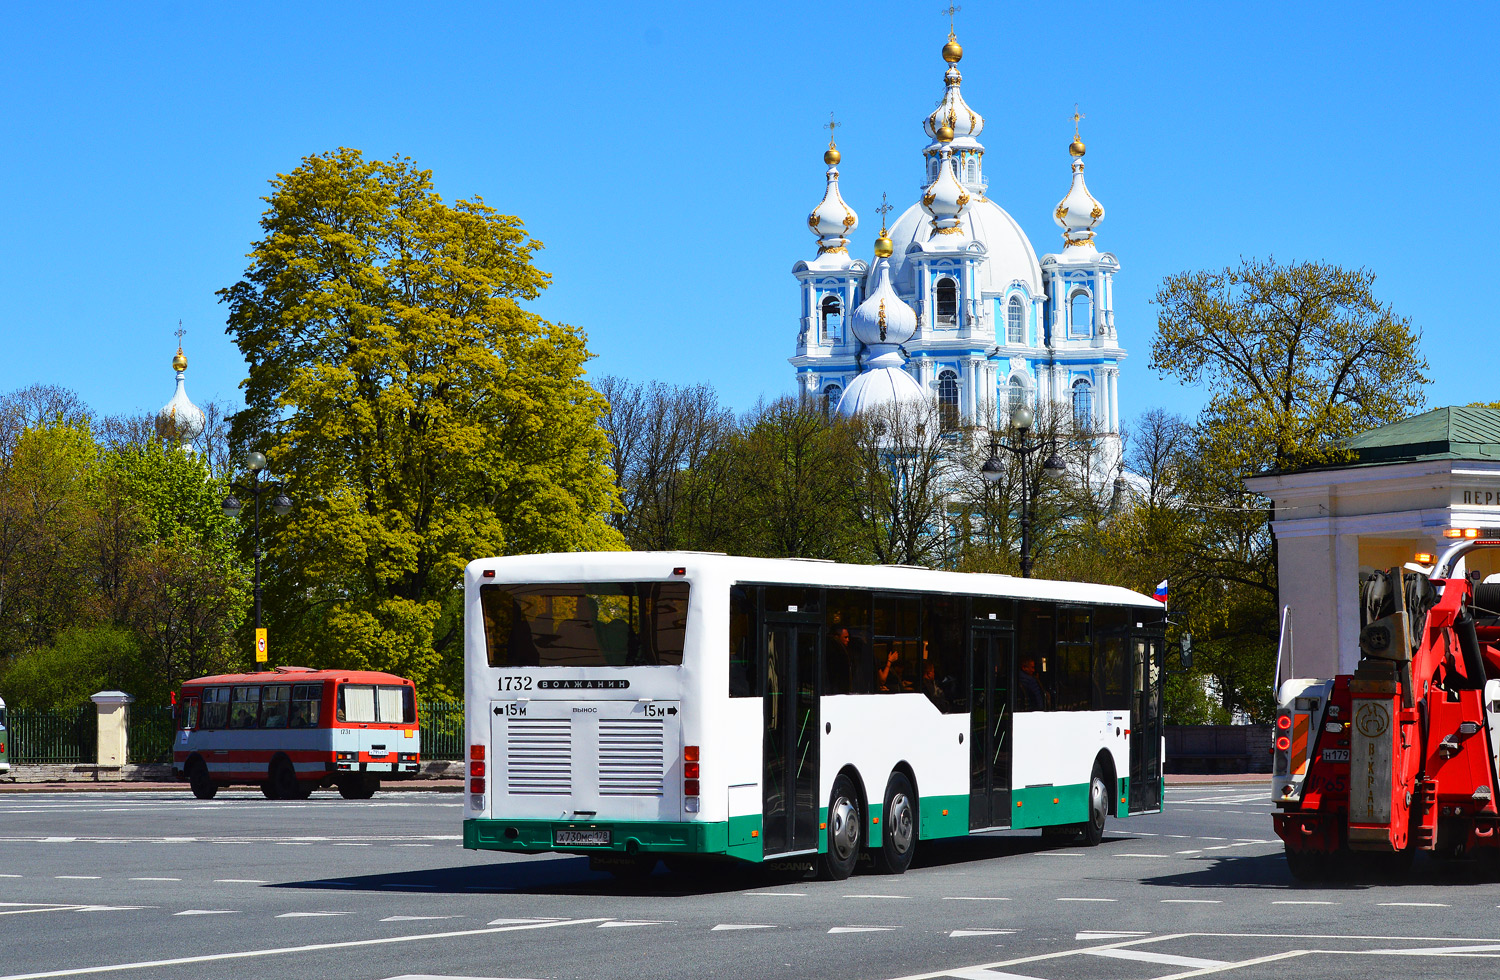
pixel 1022 447
pixel 280 505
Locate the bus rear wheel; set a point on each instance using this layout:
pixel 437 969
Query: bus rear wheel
pixel 1092 832
pixel 358 787
pixel 844 831
pixel 204 788
pixel 899 842
pixel 284 784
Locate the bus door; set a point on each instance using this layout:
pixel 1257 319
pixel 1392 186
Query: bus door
pixel 1146 724
pixel 789 778
pixel 990 728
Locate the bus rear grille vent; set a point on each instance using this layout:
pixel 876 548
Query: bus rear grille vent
pixel 539 756
pixel 631 755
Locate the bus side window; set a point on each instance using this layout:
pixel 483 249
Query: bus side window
pixel 408 706
pixel 305 701
pixel 1035 648
pixel 188 719
pixel 273 705
pixel 216 707
pixel 244 707
pixel 847 667
pixel 743 673
pixel 1074 677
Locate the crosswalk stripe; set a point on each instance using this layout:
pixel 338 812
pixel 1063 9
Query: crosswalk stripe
pixel 1165 959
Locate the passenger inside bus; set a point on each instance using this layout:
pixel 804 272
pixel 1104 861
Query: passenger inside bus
pixel 1031 688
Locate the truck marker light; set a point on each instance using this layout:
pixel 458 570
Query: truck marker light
pixel 489 573
pixel 754 833
pixel 1283 743
pixel 1452 532
pixel 1283 722
pixel 1468 728
pixel 1424 558
pixel 679 571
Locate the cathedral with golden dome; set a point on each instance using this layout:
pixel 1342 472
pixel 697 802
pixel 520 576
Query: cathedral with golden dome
pixel 955 307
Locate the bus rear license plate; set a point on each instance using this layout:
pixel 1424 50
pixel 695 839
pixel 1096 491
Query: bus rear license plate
pixel 1335 755
pixel 594 837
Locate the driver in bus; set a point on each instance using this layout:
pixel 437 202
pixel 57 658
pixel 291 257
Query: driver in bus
pixel 1030 686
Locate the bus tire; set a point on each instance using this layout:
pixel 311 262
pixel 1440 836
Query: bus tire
pixel 845 826
pixel 204 788
pixel 899 841
pixel 358 787
pixel 285 784
pixel 268 790
pixel 1092 831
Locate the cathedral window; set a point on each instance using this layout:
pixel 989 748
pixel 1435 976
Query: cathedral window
pixel 948 400
pixel 1082 313
pixel 1017 394
pixel 1015 321
pixel 947 302
pixel 831 400
pixel 832 317
pixel 1083 406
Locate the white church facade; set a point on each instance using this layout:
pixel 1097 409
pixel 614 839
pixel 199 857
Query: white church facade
pixel 994 327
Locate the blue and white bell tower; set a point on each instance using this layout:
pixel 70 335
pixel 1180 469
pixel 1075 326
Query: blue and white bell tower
pixel 995 327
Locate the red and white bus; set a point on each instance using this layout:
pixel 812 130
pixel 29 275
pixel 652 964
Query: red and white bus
pixel 293 729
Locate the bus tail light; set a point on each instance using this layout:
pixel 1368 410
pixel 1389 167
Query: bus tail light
pixel 407 757
pixel 476 768
pixel 690 776
pixel 344 756
pixel 476 785
pixel 476 752
pixel 690 770
pixel 690 787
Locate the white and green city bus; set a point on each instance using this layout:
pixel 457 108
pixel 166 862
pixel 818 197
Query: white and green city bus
pixel 635 705
pixel 4 741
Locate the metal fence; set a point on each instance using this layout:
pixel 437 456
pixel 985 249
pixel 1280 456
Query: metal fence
pixel 149 733
pixel 69 736
pixel 442 730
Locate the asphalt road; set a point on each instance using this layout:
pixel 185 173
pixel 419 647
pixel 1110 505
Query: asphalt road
pixel 162 885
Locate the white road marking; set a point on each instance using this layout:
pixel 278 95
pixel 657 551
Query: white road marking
pixel 1288 901
pixel 781 894
pixel 207 912
pixel 1189 852
pixel 240 881
pixel 10 876
pixel 1192 901
pixel 1165 959
pixel 276 951
pixel 1436 950
pixel 419 918
pixel 961 933
pixel 838 929
pixel 309 915
pixel 975 898
pixel 735 927
pixel 616 924
pixel 988 975
pixel 908 897
pixel 1088 899
pixel 1095 935
pixel 1124 855
pixel 525 922
pixel 154 879
pixel 77 877
pixel 1414 905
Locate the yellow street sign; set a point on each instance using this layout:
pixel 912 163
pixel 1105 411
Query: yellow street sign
pixel 260 646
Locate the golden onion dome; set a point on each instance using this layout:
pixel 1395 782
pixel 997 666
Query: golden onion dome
pixel 832 155
pixel 945 133
pixel 179 361
pixel 953 52
pixel 1076 147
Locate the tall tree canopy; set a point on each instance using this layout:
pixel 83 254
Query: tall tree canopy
pixel 415 412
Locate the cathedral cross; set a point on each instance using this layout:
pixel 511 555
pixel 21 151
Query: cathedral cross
pixel 178 334
pixel 884 209
pixel 831 125
pixel 1076 117
pixel 950 10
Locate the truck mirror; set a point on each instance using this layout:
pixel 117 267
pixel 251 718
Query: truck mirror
pixel 1187 651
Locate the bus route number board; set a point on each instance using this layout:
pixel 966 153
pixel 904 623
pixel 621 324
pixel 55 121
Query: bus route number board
pixel 595 837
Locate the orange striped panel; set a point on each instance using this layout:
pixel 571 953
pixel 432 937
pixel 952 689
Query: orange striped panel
pixel 1300 724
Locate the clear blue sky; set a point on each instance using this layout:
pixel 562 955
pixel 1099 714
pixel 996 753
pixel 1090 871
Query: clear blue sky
pixel 668 155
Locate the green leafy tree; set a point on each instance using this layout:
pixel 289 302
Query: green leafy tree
pixel 418 415
pixel 1296 359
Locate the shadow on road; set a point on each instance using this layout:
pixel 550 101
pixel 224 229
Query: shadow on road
pixel 1269 871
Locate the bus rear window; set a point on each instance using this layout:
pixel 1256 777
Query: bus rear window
pixel 595 625
pixel 385 704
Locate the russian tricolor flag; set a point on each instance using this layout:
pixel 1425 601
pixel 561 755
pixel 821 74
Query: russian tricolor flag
pixel 1160 595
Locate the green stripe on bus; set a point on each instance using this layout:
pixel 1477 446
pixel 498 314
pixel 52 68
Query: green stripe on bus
pixel 943 816
pixel 659 837
pixel 1046 806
